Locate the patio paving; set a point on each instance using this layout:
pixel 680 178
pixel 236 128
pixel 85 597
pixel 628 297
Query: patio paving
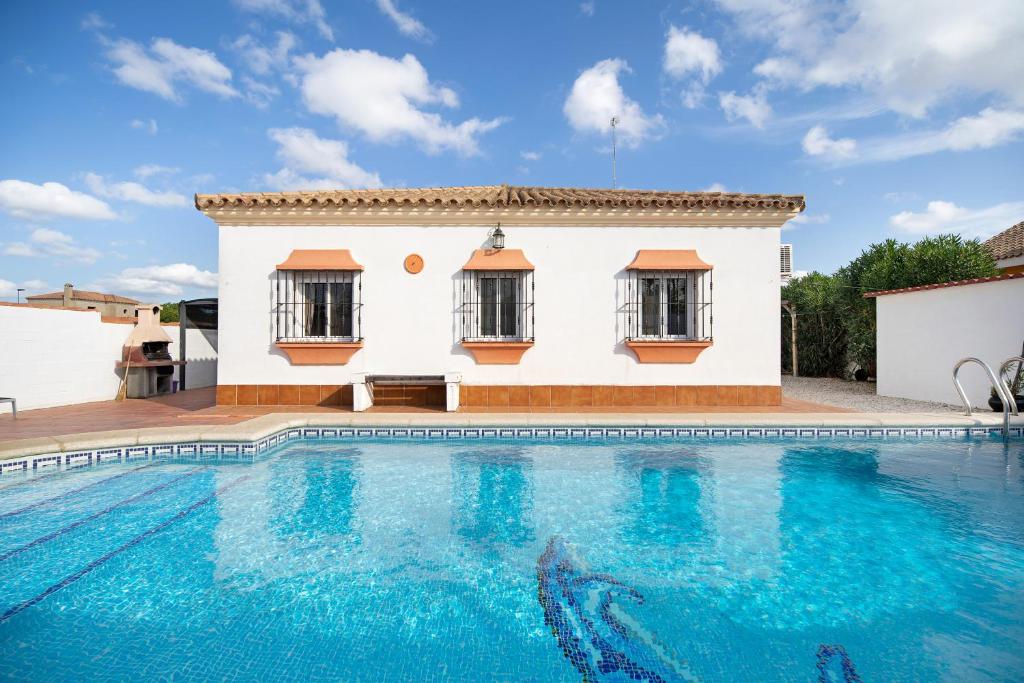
pixel 197 407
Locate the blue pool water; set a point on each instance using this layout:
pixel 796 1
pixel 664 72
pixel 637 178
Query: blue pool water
pixel 751 560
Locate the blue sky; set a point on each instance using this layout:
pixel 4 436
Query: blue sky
pixel 894 119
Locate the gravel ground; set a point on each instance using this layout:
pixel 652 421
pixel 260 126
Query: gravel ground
pixel 859 396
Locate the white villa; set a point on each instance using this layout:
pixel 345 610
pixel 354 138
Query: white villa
pixel 499 297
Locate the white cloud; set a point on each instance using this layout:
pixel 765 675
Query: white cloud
pixel 778 69
pixel 128 191
pixel 53 243
pixel 94 22
pixel 807 219
pixel 303 152
pixel 689 54
pixel 897 197
pixel 149 125
pixel 257 93
pixel 165 65
pixel 28 200
pixel 753 107
pixel 263 59
pixel 909 55
pixel 530 156
pixel 382 98
pixel 588 9
pixel 296 11
pixel 406 23
pixel 9 289
pixel 168 280
pixel 148 170
pixel 947 217
pixel 818 143
pixel 715 187
pixel 596 97
pixel 989 128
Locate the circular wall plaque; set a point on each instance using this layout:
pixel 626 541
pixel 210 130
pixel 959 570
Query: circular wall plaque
pixel 413 263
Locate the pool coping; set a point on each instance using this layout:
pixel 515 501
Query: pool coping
pixel 264 426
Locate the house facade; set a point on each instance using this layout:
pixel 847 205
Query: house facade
pixel 113 305
pixel 517 296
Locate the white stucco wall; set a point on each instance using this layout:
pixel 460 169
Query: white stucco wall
pixel 409 321
pixel 201 347
pixel 57 357
pixel 921 335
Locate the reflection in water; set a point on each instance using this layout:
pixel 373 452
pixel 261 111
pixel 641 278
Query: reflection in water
pixel 493 497
pixel 741 500
pixel 661 505
pixel 317 498
pixel 860 514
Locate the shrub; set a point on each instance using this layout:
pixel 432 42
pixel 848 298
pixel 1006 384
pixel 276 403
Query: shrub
pixel 837 301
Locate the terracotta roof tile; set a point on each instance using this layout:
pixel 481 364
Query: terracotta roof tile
pixel 505 196
pixel 85 295
pixel 943 285
pixel 1007 244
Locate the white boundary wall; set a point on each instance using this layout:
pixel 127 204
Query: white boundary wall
pixel 56 357
pixel 409 322
pixel 201 347
pixel 921 335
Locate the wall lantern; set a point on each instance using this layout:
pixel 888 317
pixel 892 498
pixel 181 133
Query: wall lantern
pixel 498 238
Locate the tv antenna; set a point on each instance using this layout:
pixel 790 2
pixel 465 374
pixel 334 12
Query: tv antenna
pixel 615 122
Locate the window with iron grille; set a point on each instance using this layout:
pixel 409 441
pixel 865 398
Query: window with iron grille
pixel 497 305
pixel 318 306
pixel 670 305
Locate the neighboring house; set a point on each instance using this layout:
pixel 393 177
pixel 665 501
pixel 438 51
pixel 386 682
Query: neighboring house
pixel 1007 248
pixel 922 332
pixel 539 297
pixel 106 304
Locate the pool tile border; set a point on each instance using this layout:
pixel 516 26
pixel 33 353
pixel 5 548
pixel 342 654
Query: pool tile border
pixel 249 451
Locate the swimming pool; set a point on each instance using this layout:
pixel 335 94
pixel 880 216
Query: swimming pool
pixel 678 559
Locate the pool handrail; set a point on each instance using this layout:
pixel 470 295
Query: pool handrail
pixel 1007 389
pixel 997 385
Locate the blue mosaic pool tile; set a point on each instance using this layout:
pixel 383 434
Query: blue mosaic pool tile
pixel 46 461
pixel 12 466
pixel 249 451
pixel 136 453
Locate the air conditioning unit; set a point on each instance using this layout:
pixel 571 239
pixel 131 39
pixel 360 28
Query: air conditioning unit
pixel 786 262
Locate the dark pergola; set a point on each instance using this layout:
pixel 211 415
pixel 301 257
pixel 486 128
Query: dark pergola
pixel 199 314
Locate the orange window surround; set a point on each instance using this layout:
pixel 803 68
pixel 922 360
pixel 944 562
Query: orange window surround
pixel 320 259
pixel 498 259
pixel 668 259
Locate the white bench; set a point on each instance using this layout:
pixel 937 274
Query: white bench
pixel 14 405
pixel 362 387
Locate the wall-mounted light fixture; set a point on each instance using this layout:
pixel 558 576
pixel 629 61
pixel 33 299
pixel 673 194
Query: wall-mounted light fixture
pixel 498 238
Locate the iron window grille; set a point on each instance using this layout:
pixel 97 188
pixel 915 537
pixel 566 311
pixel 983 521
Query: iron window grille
pixel 318 306
pixel 497 305
pixel 669 305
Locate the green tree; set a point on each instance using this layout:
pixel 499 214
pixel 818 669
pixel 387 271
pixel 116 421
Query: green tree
pixel 838 301
pixel 169 312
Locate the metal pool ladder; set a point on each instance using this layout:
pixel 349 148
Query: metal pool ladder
pixel 1009 404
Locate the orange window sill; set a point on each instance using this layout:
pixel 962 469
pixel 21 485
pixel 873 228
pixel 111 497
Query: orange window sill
pixel 319 353
pixel 665 351
pixel 497 352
